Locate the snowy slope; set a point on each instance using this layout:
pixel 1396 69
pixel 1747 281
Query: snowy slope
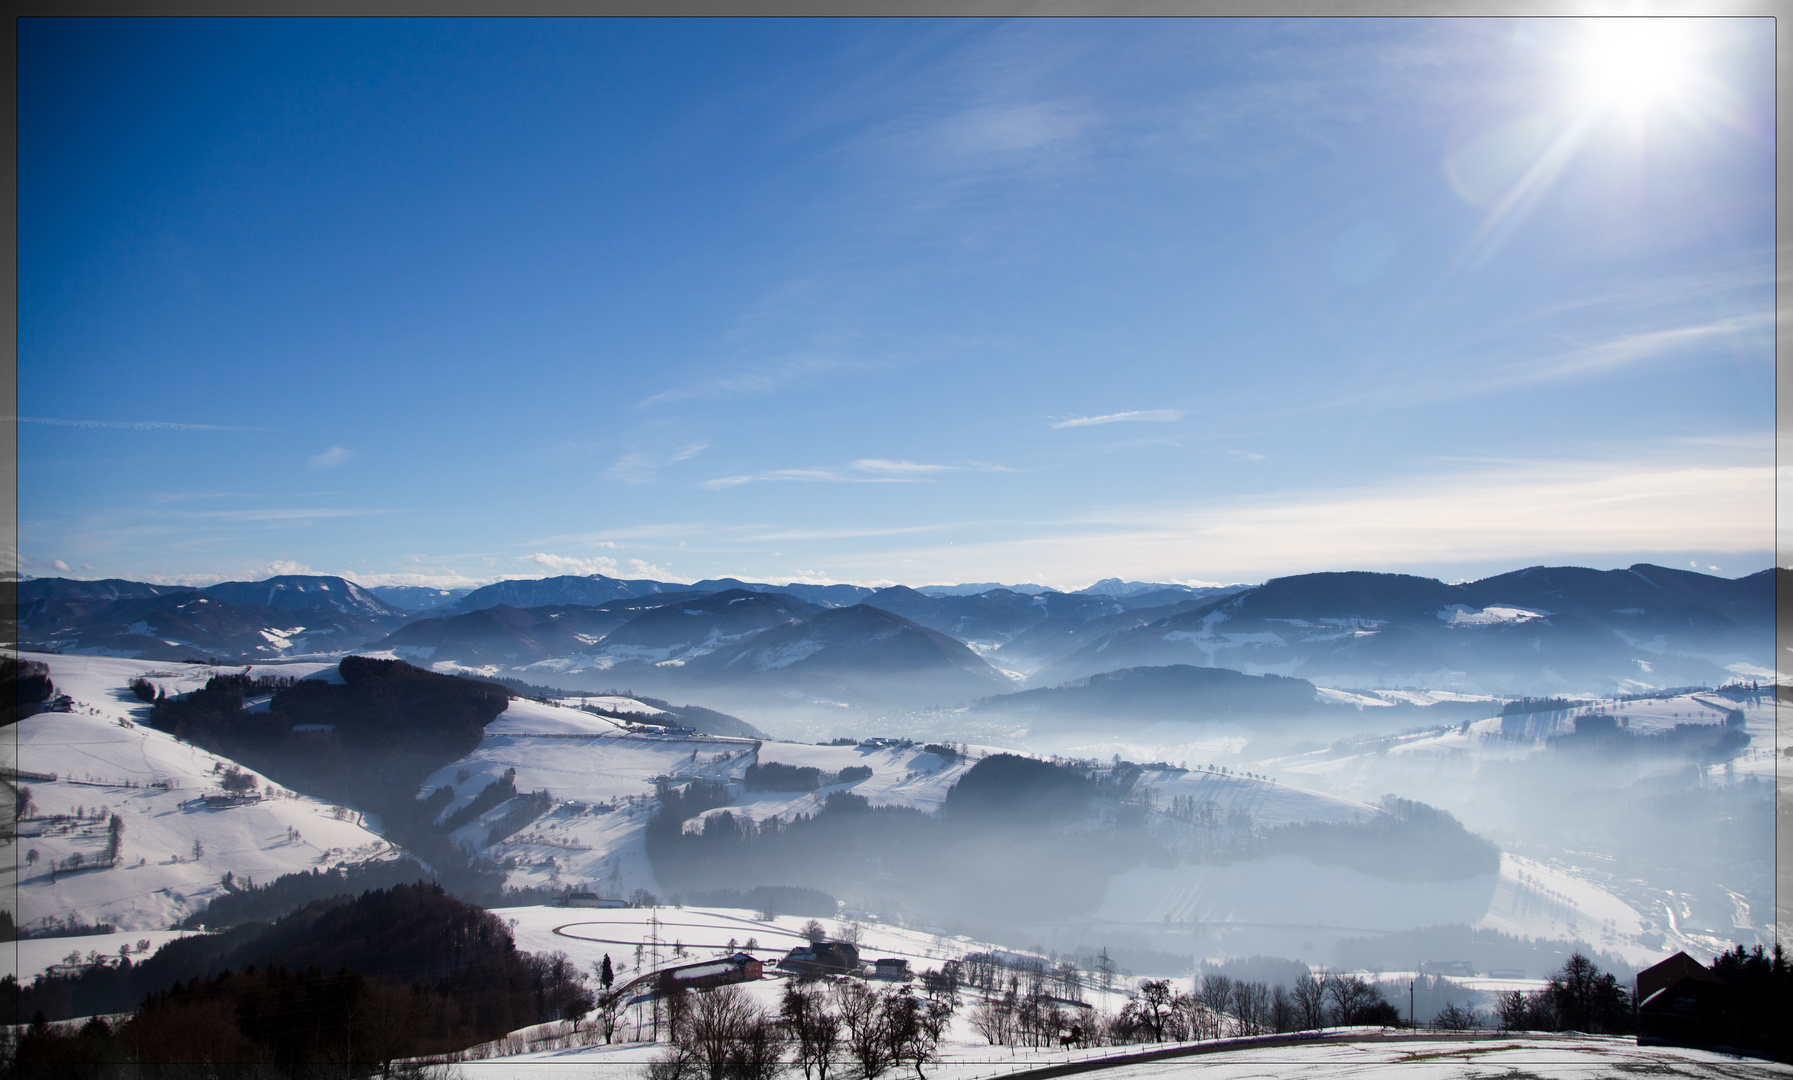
pixel 106 759
pixel 600 774
pixel 901 776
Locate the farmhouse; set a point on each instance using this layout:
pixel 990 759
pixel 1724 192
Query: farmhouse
pixel 713 973
pixel 1679 1002
pixel 822 958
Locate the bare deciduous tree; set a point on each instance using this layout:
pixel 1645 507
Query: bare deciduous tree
pixel 1310 1003
pixel 862 1015
pixel 1155 1003
pixel 815 1029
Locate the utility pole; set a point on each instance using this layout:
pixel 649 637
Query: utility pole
pixel 1412 1020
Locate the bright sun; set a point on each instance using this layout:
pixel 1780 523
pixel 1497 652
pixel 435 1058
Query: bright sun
pixel 1633 64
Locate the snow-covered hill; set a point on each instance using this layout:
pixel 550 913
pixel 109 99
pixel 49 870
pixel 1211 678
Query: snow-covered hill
pixel 601 773
pixel 175 849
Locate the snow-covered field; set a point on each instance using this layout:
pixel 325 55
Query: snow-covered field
pixel 175 850
pixel 588 934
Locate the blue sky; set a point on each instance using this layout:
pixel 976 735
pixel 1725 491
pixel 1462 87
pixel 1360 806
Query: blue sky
pixel 893 301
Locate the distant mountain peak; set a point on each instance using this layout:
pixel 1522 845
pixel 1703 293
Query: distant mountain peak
pixel 1114 586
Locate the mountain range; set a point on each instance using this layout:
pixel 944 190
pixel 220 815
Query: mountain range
pixel 1538 630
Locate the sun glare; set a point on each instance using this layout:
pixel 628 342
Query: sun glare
pixel 1632 64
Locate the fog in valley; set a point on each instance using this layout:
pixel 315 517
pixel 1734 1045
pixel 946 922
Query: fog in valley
pixel 1358 770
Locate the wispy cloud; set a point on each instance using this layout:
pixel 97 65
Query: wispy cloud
pixel 643 466
pixel 1159 416
pixel 1630 349
pixel 759 378
pixel 1664 345
pixel 129 425
pixel 899 468
pixel 764 534
pixel 332 458
pixel 862 471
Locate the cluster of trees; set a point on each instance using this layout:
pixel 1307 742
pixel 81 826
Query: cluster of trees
pixel 777 776
pixel 992 972
pixel 1027 1016
pixel 24 686
pixel 723 1034
pixel 1219 1006
pixel 387 724
pixel 1601 733
pixel 399 972
pixel 1756 1016
pixel 1527 705
pixel 1578 997
pixel 289 892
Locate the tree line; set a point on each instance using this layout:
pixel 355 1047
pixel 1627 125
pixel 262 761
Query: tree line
pixel 354 981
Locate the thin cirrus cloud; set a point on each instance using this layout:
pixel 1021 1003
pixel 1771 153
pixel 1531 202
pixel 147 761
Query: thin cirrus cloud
pixel 332 458
pixel 640 466
pixel 862 471
pixel 759 378
pixel 1703 340
pixel 1154 416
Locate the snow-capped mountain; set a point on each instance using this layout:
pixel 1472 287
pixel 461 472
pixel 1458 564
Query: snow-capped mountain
pixel 504 636
pixel 588 590
pixel 676 634
pixel 183 624
pixel 416 598
pixel 1537 630
pixel 304 592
